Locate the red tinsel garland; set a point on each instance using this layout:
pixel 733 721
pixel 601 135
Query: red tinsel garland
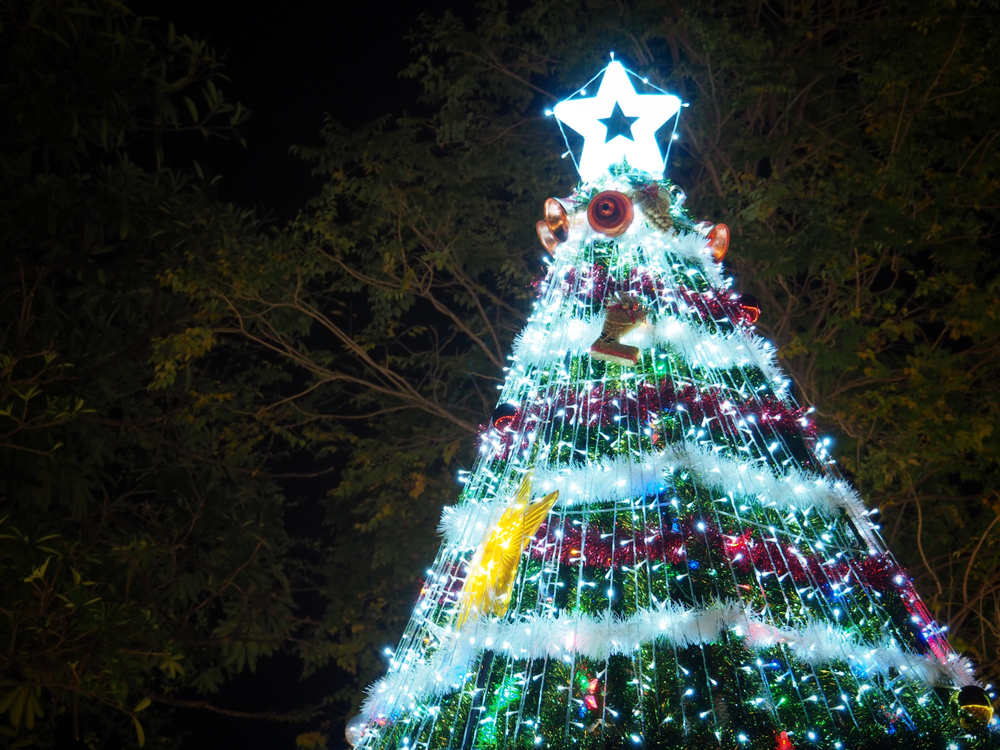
pixel 595 285
pixel 606 407
pixel 674 544
pixel 687 540
pixel 671 544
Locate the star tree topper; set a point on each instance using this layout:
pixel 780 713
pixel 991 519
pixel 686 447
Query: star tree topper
pixel 618 123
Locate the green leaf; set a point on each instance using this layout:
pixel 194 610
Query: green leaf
pixel 16 710
pixel 191 108
pixel 139 733
pixel 7 699
pixel 39 572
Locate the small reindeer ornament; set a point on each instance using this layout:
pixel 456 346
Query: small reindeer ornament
pixel 624 314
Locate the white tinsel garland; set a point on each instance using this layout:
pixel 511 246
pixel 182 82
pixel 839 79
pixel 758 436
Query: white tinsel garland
pixel 577 634
pixel 553 332
pixel 549 338
pixel 624 478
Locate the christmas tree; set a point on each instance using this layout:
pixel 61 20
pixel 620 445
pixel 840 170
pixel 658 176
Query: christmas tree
pixel 654 549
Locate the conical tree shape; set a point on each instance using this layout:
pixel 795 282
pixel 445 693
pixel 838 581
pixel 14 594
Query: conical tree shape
pixel 704 578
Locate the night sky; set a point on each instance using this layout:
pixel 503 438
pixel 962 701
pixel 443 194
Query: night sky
pixel 292 64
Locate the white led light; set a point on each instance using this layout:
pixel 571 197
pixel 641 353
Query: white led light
pixel 635 115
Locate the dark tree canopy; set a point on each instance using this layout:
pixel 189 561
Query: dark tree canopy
pixel 142 550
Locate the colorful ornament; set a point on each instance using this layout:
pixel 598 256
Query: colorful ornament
pixel 610 213
pixel 718 242
pixel 592 698
pixel 590 691
pixel 656 208
pixel 975 708
pixel 554 228
pixel 784 743
pixel 355 729
pixel 504 415
pixel 624 315
pixel 490 580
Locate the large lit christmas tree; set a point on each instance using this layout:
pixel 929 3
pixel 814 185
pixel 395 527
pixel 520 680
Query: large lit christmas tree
pixel 653 549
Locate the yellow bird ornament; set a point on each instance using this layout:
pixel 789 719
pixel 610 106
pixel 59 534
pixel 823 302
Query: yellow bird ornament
pixel 490 581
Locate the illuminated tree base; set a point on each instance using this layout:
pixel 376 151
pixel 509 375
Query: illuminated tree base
pixel 652 698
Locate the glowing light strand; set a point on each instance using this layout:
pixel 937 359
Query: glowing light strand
pixel 534 637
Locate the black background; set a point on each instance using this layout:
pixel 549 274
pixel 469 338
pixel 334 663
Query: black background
pixel 294 63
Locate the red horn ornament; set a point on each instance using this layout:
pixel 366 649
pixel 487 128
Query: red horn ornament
pixel 718 242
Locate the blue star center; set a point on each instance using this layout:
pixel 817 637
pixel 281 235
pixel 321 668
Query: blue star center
pixel 618 124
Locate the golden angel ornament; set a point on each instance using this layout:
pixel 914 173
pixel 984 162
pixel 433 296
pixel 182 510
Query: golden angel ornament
pixel 490 580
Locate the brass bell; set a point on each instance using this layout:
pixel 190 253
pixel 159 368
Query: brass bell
pixel 718 242
pixel 548 240
pixel 556 219
pixel 610 213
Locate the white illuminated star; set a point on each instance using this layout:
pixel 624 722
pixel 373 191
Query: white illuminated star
pixel 641 114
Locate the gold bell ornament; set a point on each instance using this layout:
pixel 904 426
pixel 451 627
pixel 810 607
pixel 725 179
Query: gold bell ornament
pixel 975 709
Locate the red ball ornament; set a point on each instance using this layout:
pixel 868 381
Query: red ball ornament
pixel 503 416
pixel 610 213
pixel 784 743
pixel 750 307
